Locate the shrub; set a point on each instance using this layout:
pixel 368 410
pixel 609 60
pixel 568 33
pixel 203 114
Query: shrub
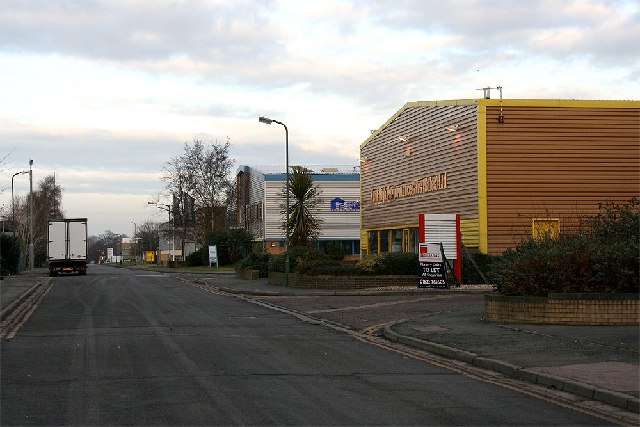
pixel 605 258
pixel 256 261
pixel 10 251
pixel 399 263
pixel 327 266
pixel 199 257
pixel 335 250
pixel 232 246
pixel 475 265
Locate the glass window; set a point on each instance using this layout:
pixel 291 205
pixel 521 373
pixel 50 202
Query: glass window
pixel 373 243
pixel 396 241
pixel 384 241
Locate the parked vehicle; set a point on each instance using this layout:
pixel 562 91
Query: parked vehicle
pixel 67 247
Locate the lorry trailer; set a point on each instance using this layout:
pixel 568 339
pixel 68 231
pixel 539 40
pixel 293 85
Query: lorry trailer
pixel 67 246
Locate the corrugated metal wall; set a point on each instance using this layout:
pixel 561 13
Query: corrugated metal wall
pixel 335 225
pixel 560 162
pixel 430 149
pixel 250 201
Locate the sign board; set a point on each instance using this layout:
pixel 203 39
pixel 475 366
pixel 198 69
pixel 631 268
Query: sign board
pixel 430 252
pixel 149 256
pixel 443 229
pixel 213 255
pixel 433 271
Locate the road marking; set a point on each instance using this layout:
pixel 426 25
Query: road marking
pixel 151 275
pixel 378 304
pixel 23 311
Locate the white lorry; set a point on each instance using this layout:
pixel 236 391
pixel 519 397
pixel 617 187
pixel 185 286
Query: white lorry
pixel 67 247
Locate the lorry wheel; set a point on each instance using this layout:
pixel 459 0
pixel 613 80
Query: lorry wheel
pixel 82 272
pixel 53 273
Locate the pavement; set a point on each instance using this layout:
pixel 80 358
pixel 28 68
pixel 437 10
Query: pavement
pixel 11 287
pixel 125 347
pixel 261 287
pixel 601 361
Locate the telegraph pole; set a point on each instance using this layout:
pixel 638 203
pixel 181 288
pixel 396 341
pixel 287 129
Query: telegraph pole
pixel 30 215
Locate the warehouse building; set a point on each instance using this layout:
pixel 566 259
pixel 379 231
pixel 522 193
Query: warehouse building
pixel 510 168
pixel 260 199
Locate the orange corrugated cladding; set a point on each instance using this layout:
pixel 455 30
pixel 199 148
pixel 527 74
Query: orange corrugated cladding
pixel 556 162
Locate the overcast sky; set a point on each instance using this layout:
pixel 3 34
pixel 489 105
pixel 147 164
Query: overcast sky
pixel 104 92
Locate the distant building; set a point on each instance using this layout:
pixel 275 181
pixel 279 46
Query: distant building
pixel 260 200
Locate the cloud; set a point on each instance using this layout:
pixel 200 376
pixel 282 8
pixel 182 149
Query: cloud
pixel 142 31
pixel 601 30
pixel 375 53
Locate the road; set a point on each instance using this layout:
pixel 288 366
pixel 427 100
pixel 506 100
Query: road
pixel 125 347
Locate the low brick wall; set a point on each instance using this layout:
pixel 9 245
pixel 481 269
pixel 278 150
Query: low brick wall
pixel 340 282
pixel 249 274
pixel 565 309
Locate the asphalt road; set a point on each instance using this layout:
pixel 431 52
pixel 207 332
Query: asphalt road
pixel 125 347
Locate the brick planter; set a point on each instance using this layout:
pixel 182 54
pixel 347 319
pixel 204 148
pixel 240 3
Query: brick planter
pixel 565 309
pixel 341 282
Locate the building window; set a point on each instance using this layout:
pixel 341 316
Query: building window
pixel 373 242
pixel 384 241
pixel 545 228
pixel 396 241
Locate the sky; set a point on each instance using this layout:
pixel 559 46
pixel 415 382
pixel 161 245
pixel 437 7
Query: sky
pixel 105 92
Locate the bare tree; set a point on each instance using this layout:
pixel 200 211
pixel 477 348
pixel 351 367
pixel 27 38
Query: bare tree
pixel 149 235
pixel 47 205
pixel 202 172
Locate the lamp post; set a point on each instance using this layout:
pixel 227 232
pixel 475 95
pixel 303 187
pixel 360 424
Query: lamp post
pixel 30 215
pixel 135 239
pixel 173 228
pixel 268 121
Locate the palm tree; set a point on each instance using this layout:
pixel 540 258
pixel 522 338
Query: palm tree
pixel 303 224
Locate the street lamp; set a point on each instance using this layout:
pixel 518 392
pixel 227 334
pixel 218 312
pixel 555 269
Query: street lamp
pixel 268 121
pixel 135 239
pixel 30 215
pixel 173 228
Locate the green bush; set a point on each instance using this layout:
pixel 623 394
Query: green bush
pixel 199 257
pixel 390 264
pixel 232 246
pixel 475 265
pixel 605 258
pixel 335 250
pixel 256 261
pixel 327 266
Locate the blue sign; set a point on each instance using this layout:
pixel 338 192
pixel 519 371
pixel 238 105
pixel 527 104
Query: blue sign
pixel 340 205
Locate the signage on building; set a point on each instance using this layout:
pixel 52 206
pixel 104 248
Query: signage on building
pixel 433 271
pixel 428 184
pixel 340 205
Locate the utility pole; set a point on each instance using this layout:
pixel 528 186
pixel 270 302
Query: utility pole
pixel 30 215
